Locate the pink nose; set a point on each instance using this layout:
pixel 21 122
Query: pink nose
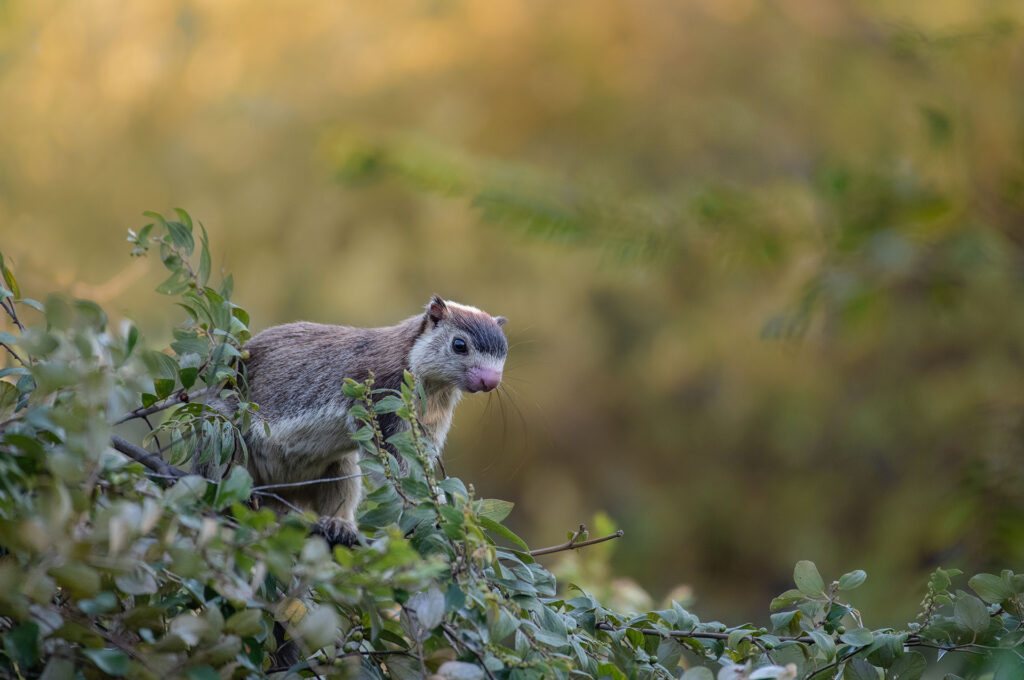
pixel 481 379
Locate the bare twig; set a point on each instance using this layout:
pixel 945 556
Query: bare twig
pixel 13 353
pixel 697 634
pixel 156 437
pixel 573 543
pixel 150 460
pixel 277 498
pixel 125 646
pixel 306 483
pixel 360 652
pixel 174 442
pixel 911 641
pixel 453 637
pixel 8 306
pixel 179 397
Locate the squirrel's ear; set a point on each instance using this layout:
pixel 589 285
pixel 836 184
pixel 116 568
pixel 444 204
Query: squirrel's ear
pixel 500 320
pixel 437 310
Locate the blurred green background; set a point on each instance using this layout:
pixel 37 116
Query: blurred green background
pixel 762 259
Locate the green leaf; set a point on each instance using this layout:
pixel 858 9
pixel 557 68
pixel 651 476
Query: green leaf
pixel 34 304
pixel 504 624
pixel 104 603
pixel 9 279
pixel 203 673
pixel 9 395
pixel 353 390
pixel 164 387
pixel 205 264
pixel 400 668
pixel 175 284
pixel 858 637
pixel 319 627
pixel 495 509
pixel 58 668
pixel 783 621
pixel 181 236
pixel 807 579
pixel 110 661
pixel 383 515
pixel 991 588
pixel 885 649
pixel 502 531
pixel 133 339
pixel 22 644
pixel 699 673
pixel 454 487
pixel 227 287
pixel 388 404
pixel 58 313
pixel 910 666
pixel 138 582
pixel 787 599
pixel 236 488
pixel 428 607
pixel 188 376
pixel 970 614
pixel 153 215
pixel 737 636
pixel 454 599
pixel 245 623
pixel 80 580
pixel 852 579
pixel 825 644
pixel 859 669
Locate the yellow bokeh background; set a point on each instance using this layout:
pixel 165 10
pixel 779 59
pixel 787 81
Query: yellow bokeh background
pixel 673 182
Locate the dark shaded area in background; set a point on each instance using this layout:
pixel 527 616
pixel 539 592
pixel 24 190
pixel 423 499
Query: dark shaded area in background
pixel 762 260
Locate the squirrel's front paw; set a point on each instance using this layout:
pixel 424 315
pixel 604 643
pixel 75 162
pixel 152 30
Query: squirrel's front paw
pixel 336 531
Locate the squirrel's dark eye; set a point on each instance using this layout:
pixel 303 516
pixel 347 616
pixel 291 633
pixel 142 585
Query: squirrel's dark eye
pixel 459 346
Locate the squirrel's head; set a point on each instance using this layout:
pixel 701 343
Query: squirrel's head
pixel 460 346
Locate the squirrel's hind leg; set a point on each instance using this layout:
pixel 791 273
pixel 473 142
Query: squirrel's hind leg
pixel 336 502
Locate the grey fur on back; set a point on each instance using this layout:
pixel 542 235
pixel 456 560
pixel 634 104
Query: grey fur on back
pixel 298 367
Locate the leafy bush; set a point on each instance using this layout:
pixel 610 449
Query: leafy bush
pixel 129 566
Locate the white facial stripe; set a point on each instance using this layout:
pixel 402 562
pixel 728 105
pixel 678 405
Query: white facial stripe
pixel 488 361
pixel 466 308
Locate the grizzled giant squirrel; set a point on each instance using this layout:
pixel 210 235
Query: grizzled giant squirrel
pixel 295 373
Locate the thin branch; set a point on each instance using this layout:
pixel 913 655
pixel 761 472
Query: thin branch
pixel 8 306
pixel 277 498
pixel 360 652
pixel 911 641
pixel 126 647
pixel 156 437
pixel 697 634
pixel 174 442
pixel 324 480
pixel 152 461
pixel 179 397
pixel 13 353
pixel 573 543
pixel 453 637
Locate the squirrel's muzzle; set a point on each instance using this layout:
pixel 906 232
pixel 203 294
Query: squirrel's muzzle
pixel 482 379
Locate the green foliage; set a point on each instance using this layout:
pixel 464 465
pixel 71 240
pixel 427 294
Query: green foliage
pixel 112 568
